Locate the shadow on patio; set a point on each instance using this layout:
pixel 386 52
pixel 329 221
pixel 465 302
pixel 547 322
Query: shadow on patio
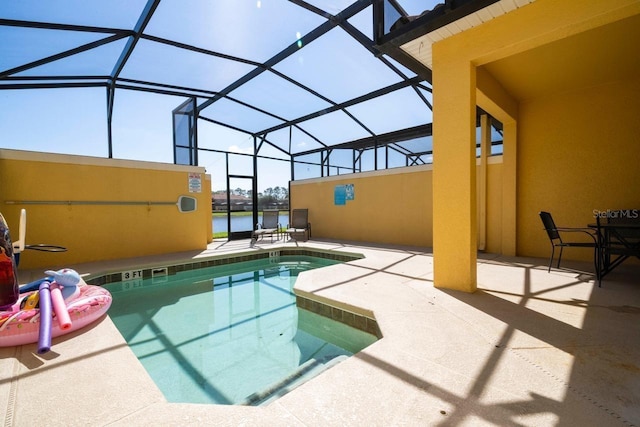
pixel 528 348
pixel 583 338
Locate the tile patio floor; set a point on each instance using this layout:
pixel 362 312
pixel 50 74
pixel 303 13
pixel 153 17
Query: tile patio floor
pixel 529 348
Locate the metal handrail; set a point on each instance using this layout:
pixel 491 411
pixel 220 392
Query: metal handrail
pixel 85 202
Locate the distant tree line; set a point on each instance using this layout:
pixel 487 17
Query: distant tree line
pixel 271 197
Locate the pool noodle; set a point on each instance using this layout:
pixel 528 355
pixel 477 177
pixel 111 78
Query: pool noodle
pixel 44 338
pixel 59 307
pixel 34 286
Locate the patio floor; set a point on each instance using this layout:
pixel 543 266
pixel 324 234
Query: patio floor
pixel 529 348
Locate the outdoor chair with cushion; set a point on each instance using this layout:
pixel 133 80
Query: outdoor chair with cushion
pixel 554 234
pixel 269 225
pixel 299 224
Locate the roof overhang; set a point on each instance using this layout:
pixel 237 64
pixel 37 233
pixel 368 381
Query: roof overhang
pixel 410 42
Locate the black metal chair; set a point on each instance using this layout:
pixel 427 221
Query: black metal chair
pixel 556 240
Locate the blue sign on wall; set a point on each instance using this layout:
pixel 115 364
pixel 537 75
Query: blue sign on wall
pixel 340 195
pixel 350 191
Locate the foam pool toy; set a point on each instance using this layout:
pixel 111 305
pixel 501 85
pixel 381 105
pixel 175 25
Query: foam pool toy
pixel 44 331
pixel 63 288
pixel 85 304
pixel 59 306
pixel 67 280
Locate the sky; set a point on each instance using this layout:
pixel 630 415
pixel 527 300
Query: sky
pixel 73 121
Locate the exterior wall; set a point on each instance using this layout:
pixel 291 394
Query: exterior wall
pixel 495 202
pixel 101 232
pixel 575 152
pixel 579 146
pixel 578 153
pixel 393 206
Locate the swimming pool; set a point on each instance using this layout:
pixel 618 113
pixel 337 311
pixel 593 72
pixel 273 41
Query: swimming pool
pixel 230 334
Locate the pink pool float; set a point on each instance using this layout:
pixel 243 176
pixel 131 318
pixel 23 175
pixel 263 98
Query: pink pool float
pixel 66 304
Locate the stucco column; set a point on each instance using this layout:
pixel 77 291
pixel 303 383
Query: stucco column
pixel 454 172
pixel 509 188
pixel 485 153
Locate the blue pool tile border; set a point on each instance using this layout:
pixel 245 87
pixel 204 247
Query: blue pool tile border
pixel 358 321
pixel 148 272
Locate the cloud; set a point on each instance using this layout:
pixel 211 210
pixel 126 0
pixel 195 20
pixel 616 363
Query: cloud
pixel 235 149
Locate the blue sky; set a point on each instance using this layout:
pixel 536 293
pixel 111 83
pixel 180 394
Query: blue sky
pixel 73 121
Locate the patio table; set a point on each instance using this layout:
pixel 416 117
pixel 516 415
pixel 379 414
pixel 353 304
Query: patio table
pixel 617 241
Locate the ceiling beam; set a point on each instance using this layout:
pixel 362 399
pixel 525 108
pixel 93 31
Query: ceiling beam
pixel 379 140
pixel 62 27
pixel 290 50
pixel 346 104
pixel 62 55
pixel 142 23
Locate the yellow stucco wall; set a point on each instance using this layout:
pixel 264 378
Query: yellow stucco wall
pixel 494 209
pixel 96 232
pixel 392 206
pixel 561 76
pixel 578 153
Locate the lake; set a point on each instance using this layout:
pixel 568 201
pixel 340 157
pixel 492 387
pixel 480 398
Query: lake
pixel 243 223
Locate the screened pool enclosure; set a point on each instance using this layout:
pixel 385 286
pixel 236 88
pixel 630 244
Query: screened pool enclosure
pixel 259 92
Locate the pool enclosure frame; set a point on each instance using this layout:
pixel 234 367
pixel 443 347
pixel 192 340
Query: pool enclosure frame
pixel 378 148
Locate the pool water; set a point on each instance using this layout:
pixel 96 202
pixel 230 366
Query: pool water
pixel 230 334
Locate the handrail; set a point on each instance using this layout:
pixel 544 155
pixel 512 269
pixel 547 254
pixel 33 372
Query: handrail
pixel 184 203
pixel 85 202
